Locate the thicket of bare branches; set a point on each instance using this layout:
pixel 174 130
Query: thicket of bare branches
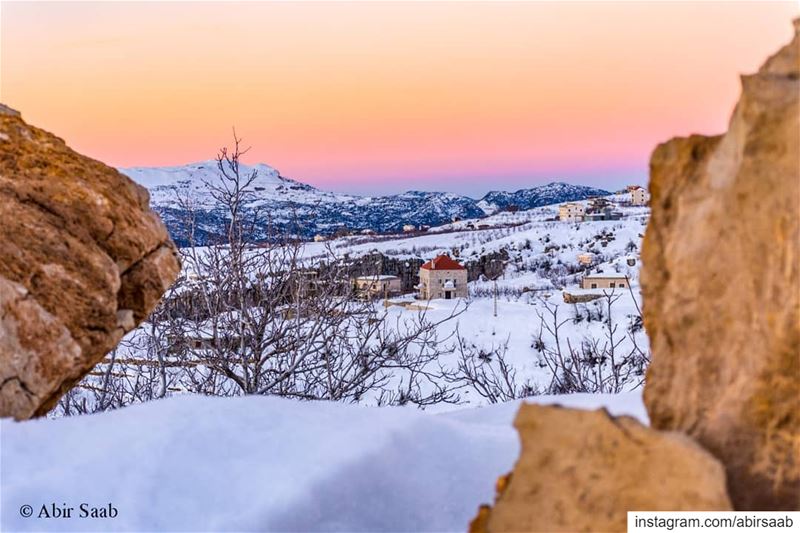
pixel 597 365
pixel 251 317
pixel 487 372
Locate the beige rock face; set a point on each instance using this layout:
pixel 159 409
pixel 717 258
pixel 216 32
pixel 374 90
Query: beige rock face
pixel 583 470
pixel 721 283
pixel 83 259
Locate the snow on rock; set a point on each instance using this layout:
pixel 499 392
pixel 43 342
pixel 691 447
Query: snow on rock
pixel 264 463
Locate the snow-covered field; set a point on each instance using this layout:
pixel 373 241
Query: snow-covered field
pixel 518 331
pixel 195 463
pixel 542 263
pixel 526 234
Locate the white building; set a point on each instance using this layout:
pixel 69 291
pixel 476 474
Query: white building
pixel 380 285
pixel 639 195
pixel 604 280
pixel 571 212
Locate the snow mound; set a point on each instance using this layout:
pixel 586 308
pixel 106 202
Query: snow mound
pixel 261 463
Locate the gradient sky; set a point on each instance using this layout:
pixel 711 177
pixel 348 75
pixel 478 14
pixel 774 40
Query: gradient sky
pixel 384 97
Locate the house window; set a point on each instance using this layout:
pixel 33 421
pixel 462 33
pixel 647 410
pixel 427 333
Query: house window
pixel 612 284
pixel 594 285
pixel 621 285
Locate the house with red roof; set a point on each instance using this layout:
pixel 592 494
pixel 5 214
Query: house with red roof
pixel 639 195
pixel 442 277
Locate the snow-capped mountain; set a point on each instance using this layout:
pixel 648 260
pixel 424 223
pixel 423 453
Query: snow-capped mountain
pixel 552 193
pixel 288 206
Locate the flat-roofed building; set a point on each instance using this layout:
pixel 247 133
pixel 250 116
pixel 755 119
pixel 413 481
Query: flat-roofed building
pixel 639 195
pixel 605 280
pixel 571 212
pixel 377 286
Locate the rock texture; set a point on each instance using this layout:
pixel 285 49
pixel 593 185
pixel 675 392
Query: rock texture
pixel 721 285
pixel 583 470
pixel 721 282
pixel 83 259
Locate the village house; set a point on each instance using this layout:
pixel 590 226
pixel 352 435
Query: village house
pixel 442 277
pixel 377 286
pixel 638 194
pixel 605 280
pixel 606 213
pixel 571 212
pixel 597 203
pixel 585 258
pixel 303 283
pixel 319 238
pixel 408 228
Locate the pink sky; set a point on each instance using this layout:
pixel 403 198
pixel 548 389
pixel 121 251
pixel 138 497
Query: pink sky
pixel 379 97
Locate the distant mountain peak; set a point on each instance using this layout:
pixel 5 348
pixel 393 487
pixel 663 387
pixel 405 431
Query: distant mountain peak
pixel 550 193
pixel 300 209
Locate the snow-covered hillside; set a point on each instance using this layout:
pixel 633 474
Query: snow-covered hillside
pixel 538 262
pixel 529 237
pixel 521 337
pixel 552 193
pixel 264 464
pixel 300 209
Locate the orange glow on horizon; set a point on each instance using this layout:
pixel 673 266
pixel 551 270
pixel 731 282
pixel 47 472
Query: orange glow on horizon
pixel 387 95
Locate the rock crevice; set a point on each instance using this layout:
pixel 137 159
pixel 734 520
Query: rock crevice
pixel 78 246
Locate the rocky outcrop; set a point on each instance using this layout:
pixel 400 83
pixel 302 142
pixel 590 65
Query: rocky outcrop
pixel 721 282
pixel 583 470
pixel 83 260
pixel 721 286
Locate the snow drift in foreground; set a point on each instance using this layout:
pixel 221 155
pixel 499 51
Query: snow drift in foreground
pixel 263 463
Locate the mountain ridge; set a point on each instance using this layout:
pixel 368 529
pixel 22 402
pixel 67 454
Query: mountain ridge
pixel 285 201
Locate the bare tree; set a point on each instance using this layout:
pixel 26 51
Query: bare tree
pixel 595 365
pixel 489 373
pixel 253 315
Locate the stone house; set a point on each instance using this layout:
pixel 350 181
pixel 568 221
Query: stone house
pixel 571 212
pixel 639 195
pixel 597 203
pixel 605 280
pixel 442 277
pixel 377 286
pixel 606 213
